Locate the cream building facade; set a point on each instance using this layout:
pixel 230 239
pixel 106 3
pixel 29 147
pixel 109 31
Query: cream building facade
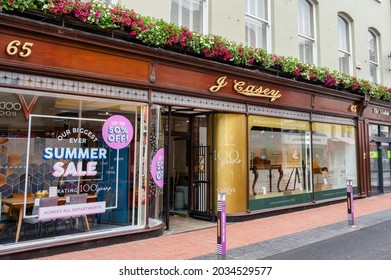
pixel 280 25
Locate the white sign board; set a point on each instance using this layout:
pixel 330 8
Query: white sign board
pixel 71 210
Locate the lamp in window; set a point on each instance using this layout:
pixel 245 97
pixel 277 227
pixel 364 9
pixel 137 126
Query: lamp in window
pixel 295 154
pixel 263 153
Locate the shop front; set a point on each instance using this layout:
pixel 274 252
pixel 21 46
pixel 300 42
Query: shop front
pixel 57 145
pixel 379 139
pixel 291 162
pixel 80 157
pixel 277 147
pixel 139 133
pixel 291 157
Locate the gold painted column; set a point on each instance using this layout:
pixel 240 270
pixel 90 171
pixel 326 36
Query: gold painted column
pixel 230 160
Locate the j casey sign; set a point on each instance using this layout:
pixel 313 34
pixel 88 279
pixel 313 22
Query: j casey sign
pixel 246 89
pixel 71 210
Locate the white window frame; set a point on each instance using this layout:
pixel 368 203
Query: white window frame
pixel 267 21
pixel 314 38
pixel 113 2
pixel 348 52
pixel 204 14
pixel 376 63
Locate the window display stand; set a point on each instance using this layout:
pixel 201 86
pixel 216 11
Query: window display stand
pixel 297 178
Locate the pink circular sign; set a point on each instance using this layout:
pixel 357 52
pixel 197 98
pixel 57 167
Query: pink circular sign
pixel 157 168
pixel 117 132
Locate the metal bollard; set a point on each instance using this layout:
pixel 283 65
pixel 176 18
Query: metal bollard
pixel 221 227
pixel 349 193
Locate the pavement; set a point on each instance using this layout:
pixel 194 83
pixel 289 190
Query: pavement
pixel 346 247
pixel 248 240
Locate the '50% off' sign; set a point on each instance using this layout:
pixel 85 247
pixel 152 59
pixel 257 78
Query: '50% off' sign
pixel 117 132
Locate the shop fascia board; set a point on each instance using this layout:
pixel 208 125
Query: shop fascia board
pixel 12 22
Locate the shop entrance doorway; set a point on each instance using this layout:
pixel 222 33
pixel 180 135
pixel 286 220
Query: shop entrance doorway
pixel 201 191
pixel 179 202
pixel 188 181
pixel 380 160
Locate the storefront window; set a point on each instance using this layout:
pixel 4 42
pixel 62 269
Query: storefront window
pixel 384 131
pixel 59 146
pixel 279 162
pixel 373 130
pixel 157 162
pixel 284 170
pixel 334 159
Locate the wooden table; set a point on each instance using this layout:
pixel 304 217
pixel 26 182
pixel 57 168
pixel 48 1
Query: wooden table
pixel 18 203
pixel 269 167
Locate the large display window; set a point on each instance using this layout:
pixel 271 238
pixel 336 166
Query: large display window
pixel 71 165
pixel 280 152
pixel 334 159
pixel 294 161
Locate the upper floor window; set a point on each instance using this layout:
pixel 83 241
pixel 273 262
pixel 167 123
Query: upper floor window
pixel 344 46
pixel 190 13
pixel 114 2
pixel 258 24
pixel 373 57
pixel 307 38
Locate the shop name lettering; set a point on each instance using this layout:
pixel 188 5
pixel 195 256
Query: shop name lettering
pixel 227 190
pixel 9 109
pixel 246 89
pixel 380 112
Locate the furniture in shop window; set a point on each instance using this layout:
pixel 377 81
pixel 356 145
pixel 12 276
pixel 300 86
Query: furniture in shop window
pixel 110 202
pixel 296 169
pixel 71 199
pixel 317 170
pixel 91 219
pixel 3 209
pixel 36 221
pixel 7 222
pixel 21 196
pixel 18 203
pixel 264 164
pixel 296 179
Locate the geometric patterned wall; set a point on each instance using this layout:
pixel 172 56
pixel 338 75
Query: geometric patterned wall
pixel 12 170
pixel 13 166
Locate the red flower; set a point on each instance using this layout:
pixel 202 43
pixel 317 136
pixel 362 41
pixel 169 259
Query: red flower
pixel 356 86
pixel 330 80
